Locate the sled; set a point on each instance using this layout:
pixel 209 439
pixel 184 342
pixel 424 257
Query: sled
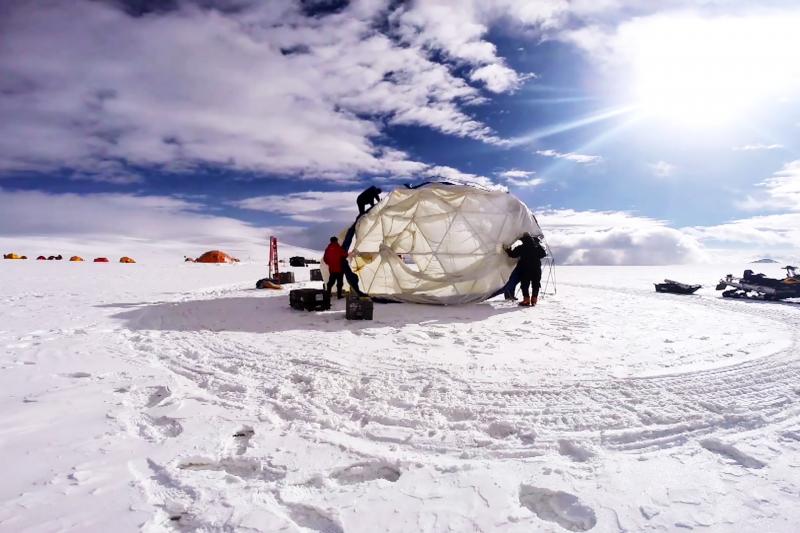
pixel 676 287
pixel 267 283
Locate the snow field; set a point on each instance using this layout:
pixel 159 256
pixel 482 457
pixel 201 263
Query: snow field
pixel 180 398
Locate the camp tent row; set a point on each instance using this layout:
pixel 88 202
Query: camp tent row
pixel 74 258
pixel 212 256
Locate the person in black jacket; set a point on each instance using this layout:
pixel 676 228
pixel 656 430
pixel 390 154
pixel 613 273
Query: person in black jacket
pixel 530 254
pixel 369 196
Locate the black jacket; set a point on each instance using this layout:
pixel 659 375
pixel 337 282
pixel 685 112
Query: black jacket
pixel 530 253
pixel 369 196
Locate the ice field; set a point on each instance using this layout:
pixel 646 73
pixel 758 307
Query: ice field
pixel 176 396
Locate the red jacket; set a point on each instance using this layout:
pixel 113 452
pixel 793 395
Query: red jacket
pixel 334 255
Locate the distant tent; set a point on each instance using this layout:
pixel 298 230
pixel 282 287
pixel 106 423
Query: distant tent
pixel 76 258
pixel 13 256
pixel 41 258
pixel 55 258
pixel 24 257
pixel 126 259
pixel 215 256
pixel 101 259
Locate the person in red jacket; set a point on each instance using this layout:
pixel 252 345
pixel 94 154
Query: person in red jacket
pixel 334 257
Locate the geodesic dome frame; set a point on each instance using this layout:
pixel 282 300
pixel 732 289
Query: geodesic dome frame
pixel 438 243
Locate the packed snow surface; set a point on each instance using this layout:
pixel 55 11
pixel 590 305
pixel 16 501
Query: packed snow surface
pixel 160 397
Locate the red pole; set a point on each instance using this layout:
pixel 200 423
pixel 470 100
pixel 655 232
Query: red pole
pixel 273 257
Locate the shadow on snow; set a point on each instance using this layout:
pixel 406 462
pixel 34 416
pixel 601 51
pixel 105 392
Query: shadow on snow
pixel 258 314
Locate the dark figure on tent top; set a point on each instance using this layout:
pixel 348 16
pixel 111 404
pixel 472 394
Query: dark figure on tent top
pixel 369 196
pixel 529 266
pixel 334 257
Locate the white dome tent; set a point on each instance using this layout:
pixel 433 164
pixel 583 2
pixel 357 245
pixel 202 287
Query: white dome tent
pixel 438 243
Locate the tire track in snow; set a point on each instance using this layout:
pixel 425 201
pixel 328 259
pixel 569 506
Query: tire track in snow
pixel 431 409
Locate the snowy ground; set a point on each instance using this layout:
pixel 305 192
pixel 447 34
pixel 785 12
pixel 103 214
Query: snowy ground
pixel 175 396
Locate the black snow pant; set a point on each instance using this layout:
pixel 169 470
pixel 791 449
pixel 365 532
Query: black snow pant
pixel 352 279
pixel 338 279
pixel 533 279
pixel 362 207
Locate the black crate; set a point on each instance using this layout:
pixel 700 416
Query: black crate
pixel 309 299
pixel 285 277
pixel 297 261
pixel 358 308
pixel 316 274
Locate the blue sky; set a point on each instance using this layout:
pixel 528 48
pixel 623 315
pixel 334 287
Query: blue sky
pixel 637 135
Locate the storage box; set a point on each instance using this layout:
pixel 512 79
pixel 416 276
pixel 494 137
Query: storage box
pixel 358 308
pixel 309 299
pixel 285 277
pixel 316 274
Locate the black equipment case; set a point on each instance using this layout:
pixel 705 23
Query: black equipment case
pixel 309 299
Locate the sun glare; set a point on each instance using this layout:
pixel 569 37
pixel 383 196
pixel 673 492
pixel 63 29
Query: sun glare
pixel 698 72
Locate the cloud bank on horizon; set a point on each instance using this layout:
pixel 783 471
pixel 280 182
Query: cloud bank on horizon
pixel 221 121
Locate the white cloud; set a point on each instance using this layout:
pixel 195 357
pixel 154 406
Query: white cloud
pixel 525 183
pixel 308 206
pixel 35 222
pixel 777 234
pixel 781 191
pixel 458 29
pixel 768 230
pixel 757 147
pixel 520 178
pixel 616 238
pixel 261 88
pixel 497 78
pixel 582 159
pixel 446 173
pixel 516 174
pixel 662 169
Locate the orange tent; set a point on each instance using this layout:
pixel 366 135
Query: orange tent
pixel 76 258
pixel 126 259
pixel 13 256
pixel 215 256
pixel 101 259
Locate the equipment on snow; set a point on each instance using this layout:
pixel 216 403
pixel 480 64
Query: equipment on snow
pixel 309 299
pixel 315 274
pixel 266 283
pixel 676 287
pixel 285 277
pixel 760 287
pixel 358 307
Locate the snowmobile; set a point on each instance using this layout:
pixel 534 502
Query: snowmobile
pixel 676 287
pixel 760 287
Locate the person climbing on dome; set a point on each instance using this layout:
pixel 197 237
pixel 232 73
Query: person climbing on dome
pixel 530 254
pixel 370 196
